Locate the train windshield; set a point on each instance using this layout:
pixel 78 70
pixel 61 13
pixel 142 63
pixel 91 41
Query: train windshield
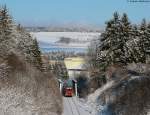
pixel 68 83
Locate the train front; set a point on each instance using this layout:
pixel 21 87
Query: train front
pixel 68 88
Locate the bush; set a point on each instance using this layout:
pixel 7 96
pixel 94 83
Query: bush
pixel 96 82
pixel 27 91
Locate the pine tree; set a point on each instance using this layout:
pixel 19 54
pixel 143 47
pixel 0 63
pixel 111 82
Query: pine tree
pixel 105 45
pixel 14 38
pixel 125 37
pixel 142 41
pixel 116 49
pixel 133 46
pixel 6 31
pixel 123 43
pixel 111 48
pixel 148 44
pixel 117 42
pixel 36 53
pixel 6 23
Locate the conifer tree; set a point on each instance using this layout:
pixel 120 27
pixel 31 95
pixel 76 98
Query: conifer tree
pixel 116 49
pixel 125 36
pixel 111 47
pixel 105 44
pixel 37 61
pixel 123 43
pixel 6 23
pixel 148 45
pixel 133 46
pixel 6 31
pixel 116 45
pixel 142 43
pixel 14 38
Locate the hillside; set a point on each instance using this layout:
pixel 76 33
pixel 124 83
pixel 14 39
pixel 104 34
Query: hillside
pixel 65 28
pixel 24 88
pixel 27 91
pixel 125 93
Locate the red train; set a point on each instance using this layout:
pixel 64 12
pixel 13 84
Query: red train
pixel 68 88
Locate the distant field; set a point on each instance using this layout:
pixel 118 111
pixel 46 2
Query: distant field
pixel 48 40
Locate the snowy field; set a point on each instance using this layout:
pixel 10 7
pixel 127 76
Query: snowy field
pixel 49 40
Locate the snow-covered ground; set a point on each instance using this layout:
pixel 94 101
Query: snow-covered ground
pixel 50 39
pixel 92 98
pixel 89 106
pixel 73 106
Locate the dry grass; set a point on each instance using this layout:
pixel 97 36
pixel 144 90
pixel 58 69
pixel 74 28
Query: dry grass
pixel 27 91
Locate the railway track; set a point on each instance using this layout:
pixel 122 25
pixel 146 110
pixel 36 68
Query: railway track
pixel 71 107
pixel 76 106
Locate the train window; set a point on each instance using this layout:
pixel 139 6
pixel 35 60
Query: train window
pixel 68 83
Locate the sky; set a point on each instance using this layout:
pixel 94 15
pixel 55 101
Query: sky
pixel 57 12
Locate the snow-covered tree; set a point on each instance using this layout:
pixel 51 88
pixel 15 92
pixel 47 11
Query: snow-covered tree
pixel 148 44
pixel 29 47
pixel 6 31
pixel 122 43
pixel 132 45
pixel 112 48
pixel 15 38
pixel 36 54
pixel 143 40
pixel 125 37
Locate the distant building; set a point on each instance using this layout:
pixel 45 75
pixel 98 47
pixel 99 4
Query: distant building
pixel 75 66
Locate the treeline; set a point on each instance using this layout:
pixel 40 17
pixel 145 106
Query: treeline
pixel 61 55
pixel 14 38
pixel 122 43
pixel 63 29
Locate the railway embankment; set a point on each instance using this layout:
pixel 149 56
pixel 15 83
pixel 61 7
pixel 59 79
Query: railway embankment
pixel 127 92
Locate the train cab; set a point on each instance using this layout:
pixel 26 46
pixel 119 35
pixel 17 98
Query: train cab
pixel 68 88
